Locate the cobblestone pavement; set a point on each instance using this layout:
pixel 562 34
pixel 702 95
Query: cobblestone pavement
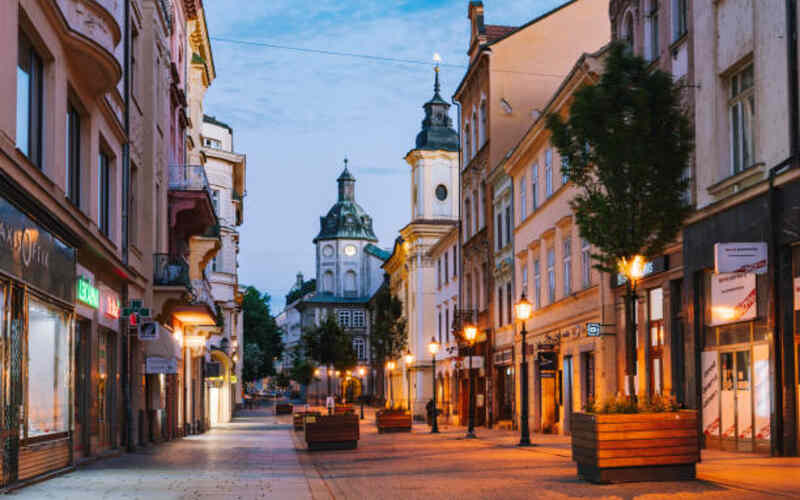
pixel 420 465
pixel 251 458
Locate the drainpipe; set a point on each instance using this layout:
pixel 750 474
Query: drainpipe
pixel 777 446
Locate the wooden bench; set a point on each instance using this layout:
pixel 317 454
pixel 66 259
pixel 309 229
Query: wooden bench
pixel 393 421
pixel 331 432
pixel 283 409
pixel 297 418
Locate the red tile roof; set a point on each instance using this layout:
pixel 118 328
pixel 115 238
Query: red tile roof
pixel 495 32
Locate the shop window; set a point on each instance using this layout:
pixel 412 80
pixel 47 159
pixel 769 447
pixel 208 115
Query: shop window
pixel 48 370
pixel 588 381
pixel 656 334
pixel 30 100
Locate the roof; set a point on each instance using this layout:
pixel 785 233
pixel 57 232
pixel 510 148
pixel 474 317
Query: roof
pixel 437 132
pixel 328 298
pixel 213 121
pixel 495 32
pixel 346 219
pixel 377 251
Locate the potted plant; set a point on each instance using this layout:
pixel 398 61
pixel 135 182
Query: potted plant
pixel 621 441
pixel 331 432
pixel 393 420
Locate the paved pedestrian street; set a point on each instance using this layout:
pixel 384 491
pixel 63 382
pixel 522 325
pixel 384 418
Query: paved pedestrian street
pixel 258 456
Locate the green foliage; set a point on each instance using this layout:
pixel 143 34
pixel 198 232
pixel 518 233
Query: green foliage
pixel 302 371
pixel 388 338
pixel 281 381
pixel 260 329
pixel 329 345
pixel 625 404
pixel 308 287
pixel 253 362
pixel 627 142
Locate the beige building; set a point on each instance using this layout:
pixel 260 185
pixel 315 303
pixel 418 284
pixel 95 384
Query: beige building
pixel 513 72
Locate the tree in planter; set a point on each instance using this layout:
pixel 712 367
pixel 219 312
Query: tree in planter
pixel 388 337
pixel 302 370
pixel 330 346
pixel 627 142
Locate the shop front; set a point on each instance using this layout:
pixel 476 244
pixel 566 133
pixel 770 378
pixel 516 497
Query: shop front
pixel 163 354
pixel 504 386
pixel 37 280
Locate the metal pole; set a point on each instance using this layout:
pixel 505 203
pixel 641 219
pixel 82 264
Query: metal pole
pixel 525 435
pixel 362 398
pixel 471 428
pixel 435 423
pixel 391 395
pixel 630 338
pixel 408 376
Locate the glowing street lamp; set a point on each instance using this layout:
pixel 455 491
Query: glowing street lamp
pixel 390 367
pixel 633 269
pixel 523 309
pixel 433 348
pixel 471 333
pixel 408 358
pixel 361 372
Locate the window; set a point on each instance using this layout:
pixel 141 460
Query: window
pixel 439 273
pixel 48 370
pixel 467 143
pixel 652 27
pixel 360 348
pixel 359 319
pixel 103 193
pixel 327 282
pixel 343 318
pixel 454 260
pixel 445 267
pixel 564 166
pixel 567 266
pixel 483 134
pixel 500 310
pixel 468 288
pixel 509 303
pixel 742 114
pixel 215 200
pixel 447 323
pixel 588 376
pixel 73 170
pixel 534 186
pixel 476 219
pixel 475 132
pixel 30 100
pixel 523 199
pixel 524 273
pixel 508 224
pixel 586 263
pixel 551 275
pixel 537 285
pixel 628 30
pixel 350 283
pixel 440 326
pixel 468 219
pixel 499 229
pixel 655 319
pixel 548 173
pixel 679 19
pixel 214 264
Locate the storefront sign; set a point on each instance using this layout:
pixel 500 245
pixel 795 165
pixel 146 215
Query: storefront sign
pixel 110 304
pixel 33 255
pixel 797 294
pixel 733 298
pixel 710 412
pixel 657 265
pixel 154 364
pixel 87 293
pixel 592 329
pixel 148 330
pixel 740 257
pixel 547 360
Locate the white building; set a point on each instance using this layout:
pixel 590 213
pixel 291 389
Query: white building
pixel 225 170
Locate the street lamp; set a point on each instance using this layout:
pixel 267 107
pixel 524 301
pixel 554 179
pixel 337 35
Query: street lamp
pixel 633 270
pixel 409 358
pixel 523 311
pixel 390 366
pixel 471 333
pixel 362 371
pixel 433 347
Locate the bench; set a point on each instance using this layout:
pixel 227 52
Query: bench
pixel 393 421
pixel 297 418
pixel 331 432
pixel 283 409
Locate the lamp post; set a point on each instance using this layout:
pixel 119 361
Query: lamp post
pixel 362 371
pixel 433 347
pixel 633 270
pixel 470 333
pixel 409 358
pixel 338 383
pixel 390 366
pixel 523 311
pixel 316 393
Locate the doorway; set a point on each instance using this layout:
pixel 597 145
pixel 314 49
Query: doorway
pixel 736 398
pixel 567 387
pixel 82 387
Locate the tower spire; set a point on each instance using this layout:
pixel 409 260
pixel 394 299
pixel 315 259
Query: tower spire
pixel 437 59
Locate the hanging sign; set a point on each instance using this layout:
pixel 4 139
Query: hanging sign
pixel 740 257
pixel 733 298
pixel 148 330
pixel 547 360
pixel 110 304
pixel 592 329
pixel 87 293
pixel 156 364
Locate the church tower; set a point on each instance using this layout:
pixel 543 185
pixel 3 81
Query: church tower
pixel 434 163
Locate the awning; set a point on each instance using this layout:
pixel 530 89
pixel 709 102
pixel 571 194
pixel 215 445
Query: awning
pixel 195 315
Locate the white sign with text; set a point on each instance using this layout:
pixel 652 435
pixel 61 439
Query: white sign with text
pixel 733 298
pixel 740 257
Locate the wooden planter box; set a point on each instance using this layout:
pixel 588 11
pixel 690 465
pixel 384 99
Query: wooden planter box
pixel 344 410
pixel 332 432
pixel 283 409
pixel 297 418
pixel 635 447
pixel 393 421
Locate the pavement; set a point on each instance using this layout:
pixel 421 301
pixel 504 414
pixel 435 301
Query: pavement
pixel 258 456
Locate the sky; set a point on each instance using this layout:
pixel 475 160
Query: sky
pixel 297 115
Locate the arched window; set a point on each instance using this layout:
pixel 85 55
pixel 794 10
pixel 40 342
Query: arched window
pixel 467 142
pixel 475 144
pixel 627 29
pixel 468 222
pixel 327 282
pixel 483 123
pixel 360 348
pixel 350 282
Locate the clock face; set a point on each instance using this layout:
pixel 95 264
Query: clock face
pixel 441 192
pixel 327 251
pixel 350 250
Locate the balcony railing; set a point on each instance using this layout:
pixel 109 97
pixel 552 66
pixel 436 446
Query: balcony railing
pixel 170 270
pixel 188 178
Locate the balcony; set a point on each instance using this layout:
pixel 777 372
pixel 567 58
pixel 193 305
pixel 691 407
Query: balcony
pixel 91 31
pixel 170 270
pixel 191 212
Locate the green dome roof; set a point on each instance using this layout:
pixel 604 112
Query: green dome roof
pixel 437 128
pixel 346 219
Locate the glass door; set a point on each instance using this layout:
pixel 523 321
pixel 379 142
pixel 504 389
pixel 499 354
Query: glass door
pixel 736 399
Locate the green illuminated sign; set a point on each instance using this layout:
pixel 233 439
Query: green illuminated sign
pixel 88 294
